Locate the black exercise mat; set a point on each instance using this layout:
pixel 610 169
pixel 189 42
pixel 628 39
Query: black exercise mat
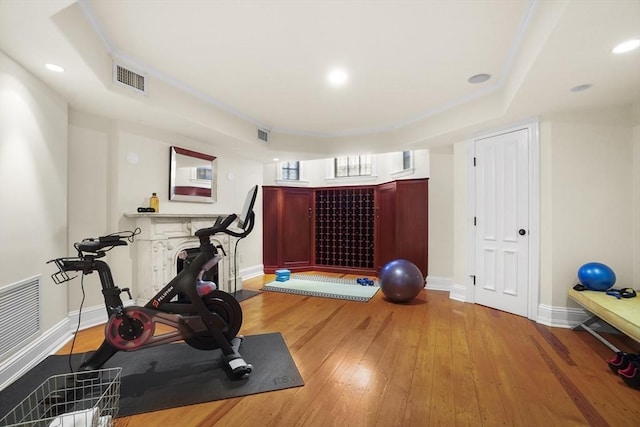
pixel 244 294
pixel 175 375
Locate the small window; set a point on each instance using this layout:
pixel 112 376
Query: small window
pixel 352 166
pixel 402 164
pixel 290 171
pixel 406 160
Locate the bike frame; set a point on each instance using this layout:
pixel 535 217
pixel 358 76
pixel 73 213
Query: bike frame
pixel 189 319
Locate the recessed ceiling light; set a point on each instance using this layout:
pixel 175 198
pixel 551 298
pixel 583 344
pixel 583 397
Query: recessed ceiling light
pixel 581 88
pixel 626 46
pixel 479 78
pixel 337 77
pixel 54 67
pixel 275 159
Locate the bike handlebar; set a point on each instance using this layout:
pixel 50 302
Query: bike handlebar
pixel 99 245
pixel 94 246
pixel 217 228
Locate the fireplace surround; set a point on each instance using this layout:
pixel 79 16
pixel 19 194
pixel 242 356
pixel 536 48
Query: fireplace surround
pixel 163 237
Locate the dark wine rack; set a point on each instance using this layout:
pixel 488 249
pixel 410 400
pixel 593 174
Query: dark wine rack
pixel 344 231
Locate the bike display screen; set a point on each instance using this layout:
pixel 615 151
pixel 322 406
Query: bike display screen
pixel 243 217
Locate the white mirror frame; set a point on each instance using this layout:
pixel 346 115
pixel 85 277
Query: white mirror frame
pixel 192 176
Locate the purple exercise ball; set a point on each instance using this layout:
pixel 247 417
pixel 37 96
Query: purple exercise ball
pixel 401 280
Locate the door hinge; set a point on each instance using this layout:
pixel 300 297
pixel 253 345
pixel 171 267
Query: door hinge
pixel 474 161
pixel 475 221
pixel 473 277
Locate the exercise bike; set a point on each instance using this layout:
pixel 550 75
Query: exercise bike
pixel 205 321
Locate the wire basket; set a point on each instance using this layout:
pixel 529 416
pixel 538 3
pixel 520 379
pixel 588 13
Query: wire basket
pixel 88 398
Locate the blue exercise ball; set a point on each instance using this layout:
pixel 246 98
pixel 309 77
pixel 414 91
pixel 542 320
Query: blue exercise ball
pixel 400 280
pixel 596 276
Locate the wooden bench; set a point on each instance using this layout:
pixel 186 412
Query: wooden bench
pixel 623 314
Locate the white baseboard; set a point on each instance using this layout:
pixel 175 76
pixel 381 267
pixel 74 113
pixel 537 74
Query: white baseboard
pixel 91 316
pixel 50 342
pixel 245 274
pixel 251 272
pixel 565 317
pixel 35 352
pixel 560 317
pixel 435 283
pixel 459 293
pixel 235 283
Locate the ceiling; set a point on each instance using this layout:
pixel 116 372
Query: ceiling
pixel 218 70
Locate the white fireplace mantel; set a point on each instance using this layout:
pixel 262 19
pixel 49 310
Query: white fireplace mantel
pixel 162 237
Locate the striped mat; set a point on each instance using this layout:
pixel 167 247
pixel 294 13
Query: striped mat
pixel 325 287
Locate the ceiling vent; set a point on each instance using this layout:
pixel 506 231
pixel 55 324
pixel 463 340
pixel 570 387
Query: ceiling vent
pixel 123 76
pixel 263 135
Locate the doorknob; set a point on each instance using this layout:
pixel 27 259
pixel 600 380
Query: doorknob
pixel 522 232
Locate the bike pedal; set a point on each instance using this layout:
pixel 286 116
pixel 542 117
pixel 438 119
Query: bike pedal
pixel 243 372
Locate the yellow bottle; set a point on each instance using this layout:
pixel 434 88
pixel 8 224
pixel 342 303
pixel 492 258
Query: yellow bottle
pixel 154 203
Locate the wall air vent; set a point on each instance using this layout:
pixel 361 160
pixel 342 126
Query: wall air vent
pixel 263 135
pixel 19 314
pixel 123 76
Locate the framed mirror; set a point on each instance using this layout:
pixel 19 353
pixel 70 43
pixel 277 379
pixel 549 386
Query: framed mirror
pixel 192 176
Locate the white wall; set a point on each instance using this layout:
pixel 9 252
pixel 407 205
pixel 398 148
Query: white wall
pixel 88 201
pixel 101 150
pixel 460 221
pixel 587 198
pixel 33 194
pixel 441 215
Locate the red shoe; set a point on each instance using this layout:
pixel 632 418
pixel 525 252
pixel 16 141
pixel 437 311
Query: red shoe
pixel 621 361
pixel 631 375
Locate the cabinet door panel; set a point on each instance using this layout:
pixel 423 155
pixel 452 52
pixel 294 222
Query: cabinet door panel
pixel 270 228
pixel 296 228
pixel 412 223
pixel 386 224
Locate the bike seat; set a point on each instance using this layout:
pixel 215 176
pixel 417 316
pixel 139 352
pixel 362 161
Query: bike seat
pixel 95 245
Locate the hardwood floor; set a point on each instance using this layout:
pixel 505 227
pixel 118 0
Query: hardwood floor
pixel 432 362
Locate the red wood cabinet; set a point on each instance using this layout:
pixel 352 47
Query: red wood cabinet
pixel 402 224
pixel 385 224
pixel 345 229
pixel 287 228
pixel 270 221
